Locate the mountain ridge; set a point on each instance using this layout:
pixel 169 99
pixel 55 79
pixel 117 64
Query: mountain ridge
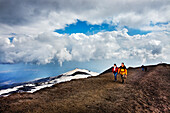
pixel 36 85
pixel 142 92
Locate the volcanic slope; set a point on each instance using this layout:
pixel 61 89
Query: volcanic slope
pixel 142 92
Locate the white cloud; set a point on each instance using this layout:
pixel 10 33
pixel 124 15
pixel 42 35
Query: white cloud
pixel 6 82
pixel 35 17
pixel 35 42
pixel 50 46
pixel 157 28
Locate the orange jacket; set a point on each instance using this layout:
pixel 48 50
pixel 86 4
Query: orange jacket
pixel 122 70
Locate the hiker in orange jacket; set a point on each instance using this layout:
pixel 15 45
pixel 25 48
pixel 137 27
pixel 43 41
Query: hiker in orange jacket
pixel 123 72
pixel 115 70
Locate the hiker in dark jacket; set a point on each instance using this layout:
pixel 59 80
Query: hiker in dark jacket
pixel 115 71
pixel 143 67
pixel 123 72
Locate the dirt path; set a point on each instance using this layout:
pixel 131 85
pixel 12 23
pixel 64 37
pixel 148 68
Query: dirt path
pixel 142 92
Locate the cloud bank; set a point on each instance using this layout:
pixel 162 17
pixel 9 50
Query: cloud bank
pixel 50 47
pixel 32 23
pixel 32 17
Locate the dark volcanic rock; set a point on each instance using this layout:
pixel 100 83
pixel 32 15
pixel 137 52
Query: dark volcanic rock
pixel 142 92
pixel 78 72
pixel 26 88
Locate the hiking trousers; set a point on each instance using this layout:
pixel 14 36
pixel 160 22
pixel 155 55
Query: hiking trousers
pixel 122 77
pixel 115 76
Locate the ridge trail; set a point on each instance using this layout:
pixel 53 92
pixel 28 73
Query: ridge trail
pixel 142 92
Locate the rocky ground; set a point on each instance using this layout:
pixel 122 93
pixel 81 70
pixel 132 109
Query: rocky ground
pixel 143 92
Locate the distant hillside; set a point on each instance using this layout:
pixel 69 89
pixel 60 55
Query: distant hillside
pixel 142 92
pixel 39 84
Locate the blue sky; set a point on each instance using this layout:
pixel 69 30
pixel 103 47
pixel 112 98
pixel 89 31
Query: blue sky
pixel 158 24
pixel 89 29
pixel 86 28
pixel 11 39
pixel 132 31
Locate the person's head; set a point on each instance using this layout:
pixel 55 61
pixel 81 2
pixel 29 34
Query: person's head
pixel 114 65
pixel 122 64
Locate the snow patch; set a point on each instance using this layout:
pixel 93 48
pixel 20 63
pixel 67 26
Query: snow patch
pixel 34 86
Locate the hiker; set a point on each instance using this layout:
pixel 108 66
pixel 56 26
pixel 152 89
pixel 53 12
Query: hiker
pixel 115 70
pixel 143 67
pixel 123 72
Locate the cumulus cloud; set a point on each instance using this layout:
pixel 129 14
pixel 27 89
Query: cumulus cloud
pixel 50 47
pixel 32 24
pixel 32 17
